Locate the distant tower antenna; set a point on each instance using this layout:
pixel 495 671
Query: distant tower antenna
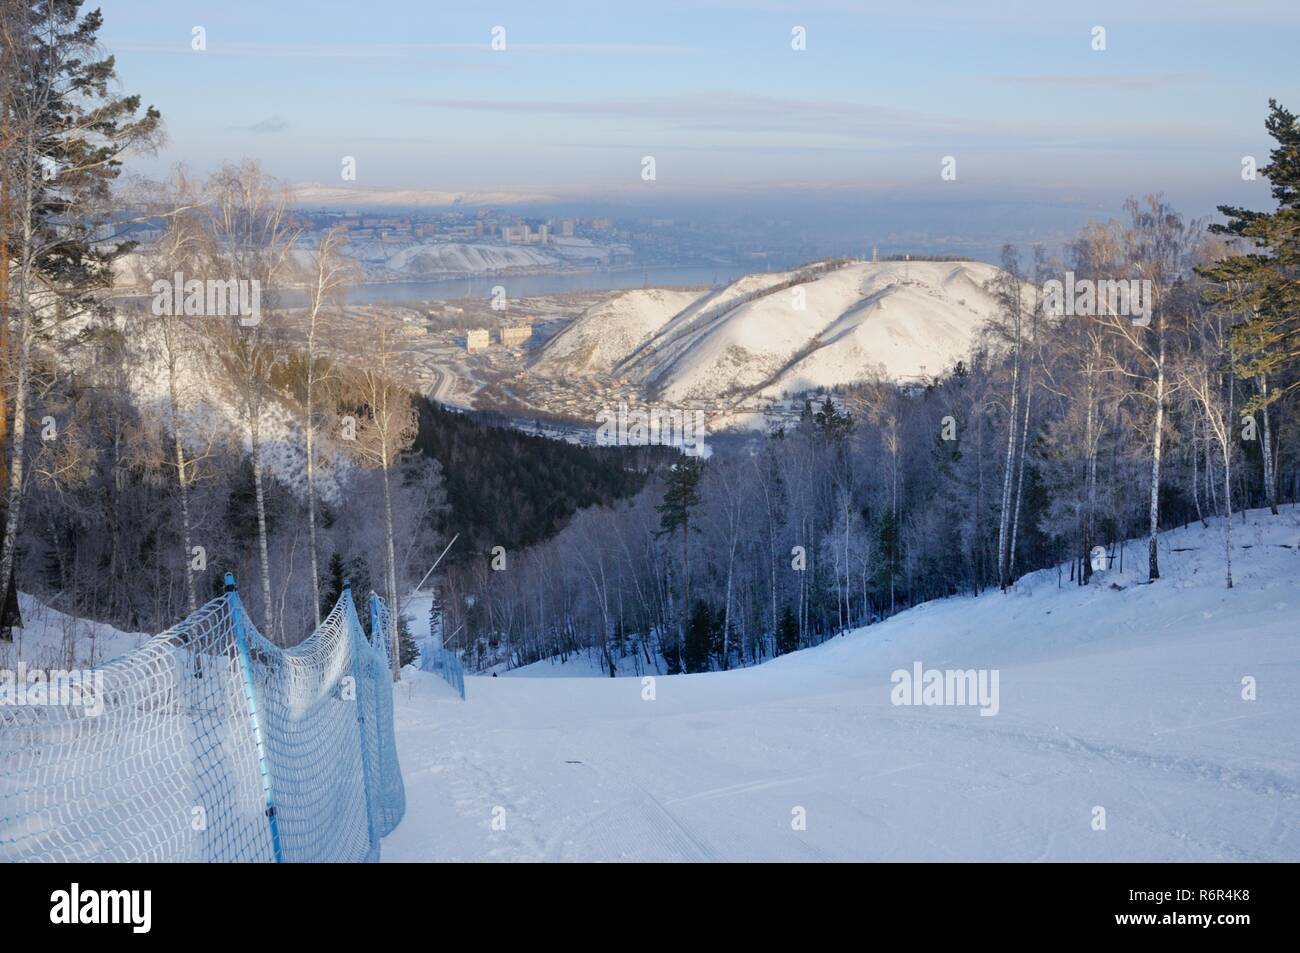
pixel 874 259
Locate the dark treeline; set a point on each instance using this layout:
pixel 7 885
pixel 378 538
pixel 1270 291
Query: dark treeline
pixel 509 488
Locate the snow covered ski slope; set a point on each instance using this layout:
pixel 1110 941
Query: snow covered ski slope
pixel 1119 703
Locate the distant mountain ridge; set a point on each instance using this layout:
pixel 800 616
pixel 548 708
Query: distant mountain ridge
pixel 768 334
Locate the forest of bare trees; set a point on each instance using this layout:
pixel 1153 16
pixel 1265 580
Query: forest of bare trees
pixel 1058 435
pixel 125 498
pixel 127 491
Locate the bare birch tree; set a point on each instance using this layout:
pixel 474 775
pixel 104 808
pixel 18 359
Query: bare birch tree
pixel 331 273
pixel 389 425
pixel 254 236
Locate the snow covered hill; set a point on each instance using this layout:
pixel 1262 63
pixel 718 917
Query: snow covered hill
pixel 353 196
pixel 768 334
pixel 596 342
pixel 1122 697
pixel 388 261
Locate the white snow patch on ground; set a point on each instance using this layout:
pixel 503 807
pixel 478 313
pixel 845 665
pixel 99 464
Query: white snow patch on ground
pixel 51 639
pixel 212 412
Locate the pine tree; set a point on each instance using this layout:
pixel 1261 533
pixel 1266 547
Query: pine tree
pixel 787 635
pixel 888 545
pixel 681 496
pixel 406 648
pixel 436 618
pixel 63 131
pixel 1263 284
pixel 1264 280
pixel 718 640
pixel 336 575
pixel 835 425
pixel 699 636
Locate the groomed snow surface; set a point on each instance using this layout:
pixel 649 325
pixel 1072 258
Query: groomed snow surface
pixel 1127 699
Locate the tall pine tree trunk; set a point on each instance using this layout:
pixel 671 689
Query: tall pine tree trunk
pixel 1090 482
pixel 726 615
pixel 1225 446
pixel 1020 483
pixel 178 451
pixel 1008 471
pixel 268 616
pixel 1157 439
pixel 310 435
pixel 9 613
pixel 1196 479
pixel 1270 474
pixel 20 366
pixel 391 574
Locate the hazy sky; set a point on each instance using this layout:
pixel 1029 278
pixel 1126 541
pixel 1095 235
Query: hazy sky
pixel 712 89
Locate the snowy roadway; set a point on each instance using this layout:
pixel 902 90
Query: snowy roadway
pixel 1126 700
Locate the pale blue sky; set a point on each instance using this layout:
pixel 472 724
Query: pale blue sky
pixel 714 91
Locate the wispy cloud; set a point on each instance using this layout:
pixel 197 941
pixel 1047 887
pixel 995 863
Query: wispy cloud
pixel 720 121
pixel 718 110
pixel 378 51
pixel 1131 82
pixel 270 124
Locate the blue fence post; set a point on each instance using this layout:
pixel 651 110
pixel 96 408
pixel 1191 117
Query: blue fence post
pixel 250 696
pixel 355 636
pixel 374 621
pixel 383 685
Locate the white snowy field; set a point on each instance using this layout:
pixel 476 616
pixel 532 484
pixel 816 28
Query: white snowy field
pixel 1125 699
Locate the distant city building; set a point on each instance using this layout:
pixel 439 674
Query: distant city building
pixel 566 228
pixel 512 337
pixel 477 340
pixel 524 235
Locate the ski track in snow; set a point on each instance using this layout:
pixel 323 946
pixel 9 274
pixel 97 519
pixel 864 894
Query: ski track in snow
pixel 1127 700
